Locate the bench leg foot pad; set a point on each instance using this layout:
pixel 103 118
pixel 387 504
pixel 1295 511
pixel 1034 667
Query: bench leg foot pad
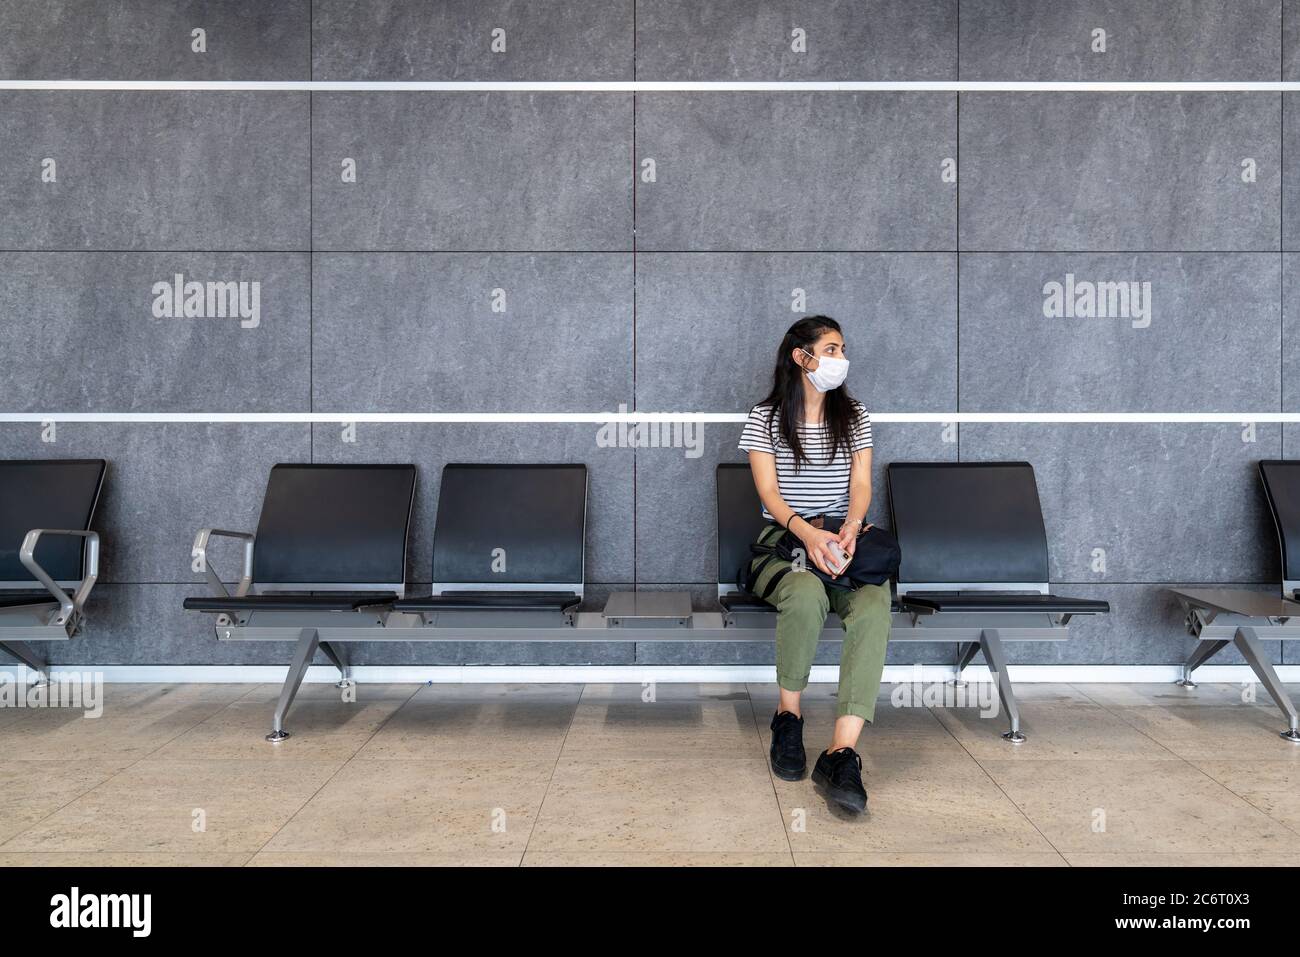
pixel 1015 737
pixel 275 737
pixel 1290 734
pixel 1185 683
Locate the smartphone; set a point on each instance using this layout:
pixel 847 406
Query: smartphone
pixel 839 558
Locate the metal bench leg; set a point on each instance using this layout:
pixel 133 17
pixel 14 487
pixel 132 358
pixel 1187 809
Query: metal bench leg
pixel 991 645
pixel 302 656
pixel 1205 649
pixel 1247 643
pixel 965 655
pixel 28 656
pixel 340 662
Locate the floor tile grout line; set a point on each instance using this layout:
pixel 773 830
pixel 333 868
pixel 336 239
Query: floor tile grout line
pixel 1242 797
pixel 1276 820
pixel 771 776
pixel 559 755
pixel 384 723
pixel 1001 790
pixel 252 687
pixel 333 774
pixel 307 800
pixel 72 800
pixel 1190 763
pixel 1110 709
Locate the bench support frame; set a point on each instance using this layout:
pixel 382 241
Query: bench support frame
pixel 973 633
pixel 28 656
pixel 57 618
pixel 991 644
pixel 985 633
pixel 309 642
pixel 1216 628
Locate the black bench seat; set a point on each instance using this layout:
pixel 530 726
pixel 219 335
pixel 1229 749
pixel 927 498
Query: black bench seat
pixel 328 562
pixel 335 601
pixel 955 601
pixel 22 599
pixel 1245 618
pixel 742 601
pixel 49 554
pixel 499 600
pixel 974 541
pixel 331 538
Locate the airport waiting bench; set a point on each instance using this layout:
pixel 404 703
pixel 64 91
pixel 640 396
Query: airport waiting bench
pixel 974 566
pixel 49 556
pixel 328 562
pixel 509 564
pixel 1219 616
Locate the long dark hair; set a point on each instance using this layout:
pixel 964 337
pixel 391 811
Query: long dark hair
pixel 786 397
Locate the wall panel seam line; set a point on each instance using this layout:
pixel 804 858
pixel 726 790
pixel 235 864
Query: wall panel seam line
pixel 654 86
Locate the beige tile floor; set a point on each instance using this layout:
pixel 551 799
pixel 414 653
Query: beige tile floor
pixel 617 774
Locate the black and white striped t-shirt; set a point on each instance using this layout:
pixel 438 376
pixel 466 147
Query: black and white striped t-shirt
pixel 819 487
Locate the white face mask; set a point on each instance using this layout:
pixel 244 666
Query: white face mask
pixel 830 372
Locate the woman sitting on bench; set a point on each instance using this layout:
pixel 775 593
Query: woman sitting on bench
pixel 809 445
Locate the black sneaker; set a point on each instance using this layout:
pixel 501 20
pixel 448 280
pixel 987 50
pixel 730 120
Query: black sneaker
pixel 839 776
pixel 788 759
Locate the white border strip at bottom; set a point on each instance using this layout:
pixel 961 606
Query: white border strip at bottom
pixel 636 674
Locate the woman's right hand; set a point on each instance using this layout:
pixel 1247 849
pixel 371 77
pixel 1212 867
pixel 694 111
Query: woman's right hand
pixel 815 541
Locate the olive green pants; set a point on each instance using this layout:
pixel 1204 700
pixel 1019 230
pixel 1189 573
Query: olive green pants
pixel 802 602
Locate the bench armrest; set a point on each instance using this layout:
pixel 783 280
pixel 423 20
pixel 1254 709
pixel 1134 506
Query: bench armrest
pixel 69 605
pixel 199 554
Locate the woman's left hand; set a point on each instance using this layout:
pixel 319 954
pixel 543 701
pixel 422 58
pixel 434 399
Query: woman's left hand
pixel 848 537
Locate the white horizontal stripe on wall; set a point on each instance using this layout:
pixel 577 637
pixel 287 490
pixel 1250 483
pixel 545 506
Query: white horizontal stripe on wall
pixel 665 86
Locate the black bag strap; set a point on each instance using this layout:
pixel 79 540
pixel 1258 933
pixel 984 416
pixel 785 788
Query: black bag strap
pixel 775 580
pixel 754 568
pixel 769 552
